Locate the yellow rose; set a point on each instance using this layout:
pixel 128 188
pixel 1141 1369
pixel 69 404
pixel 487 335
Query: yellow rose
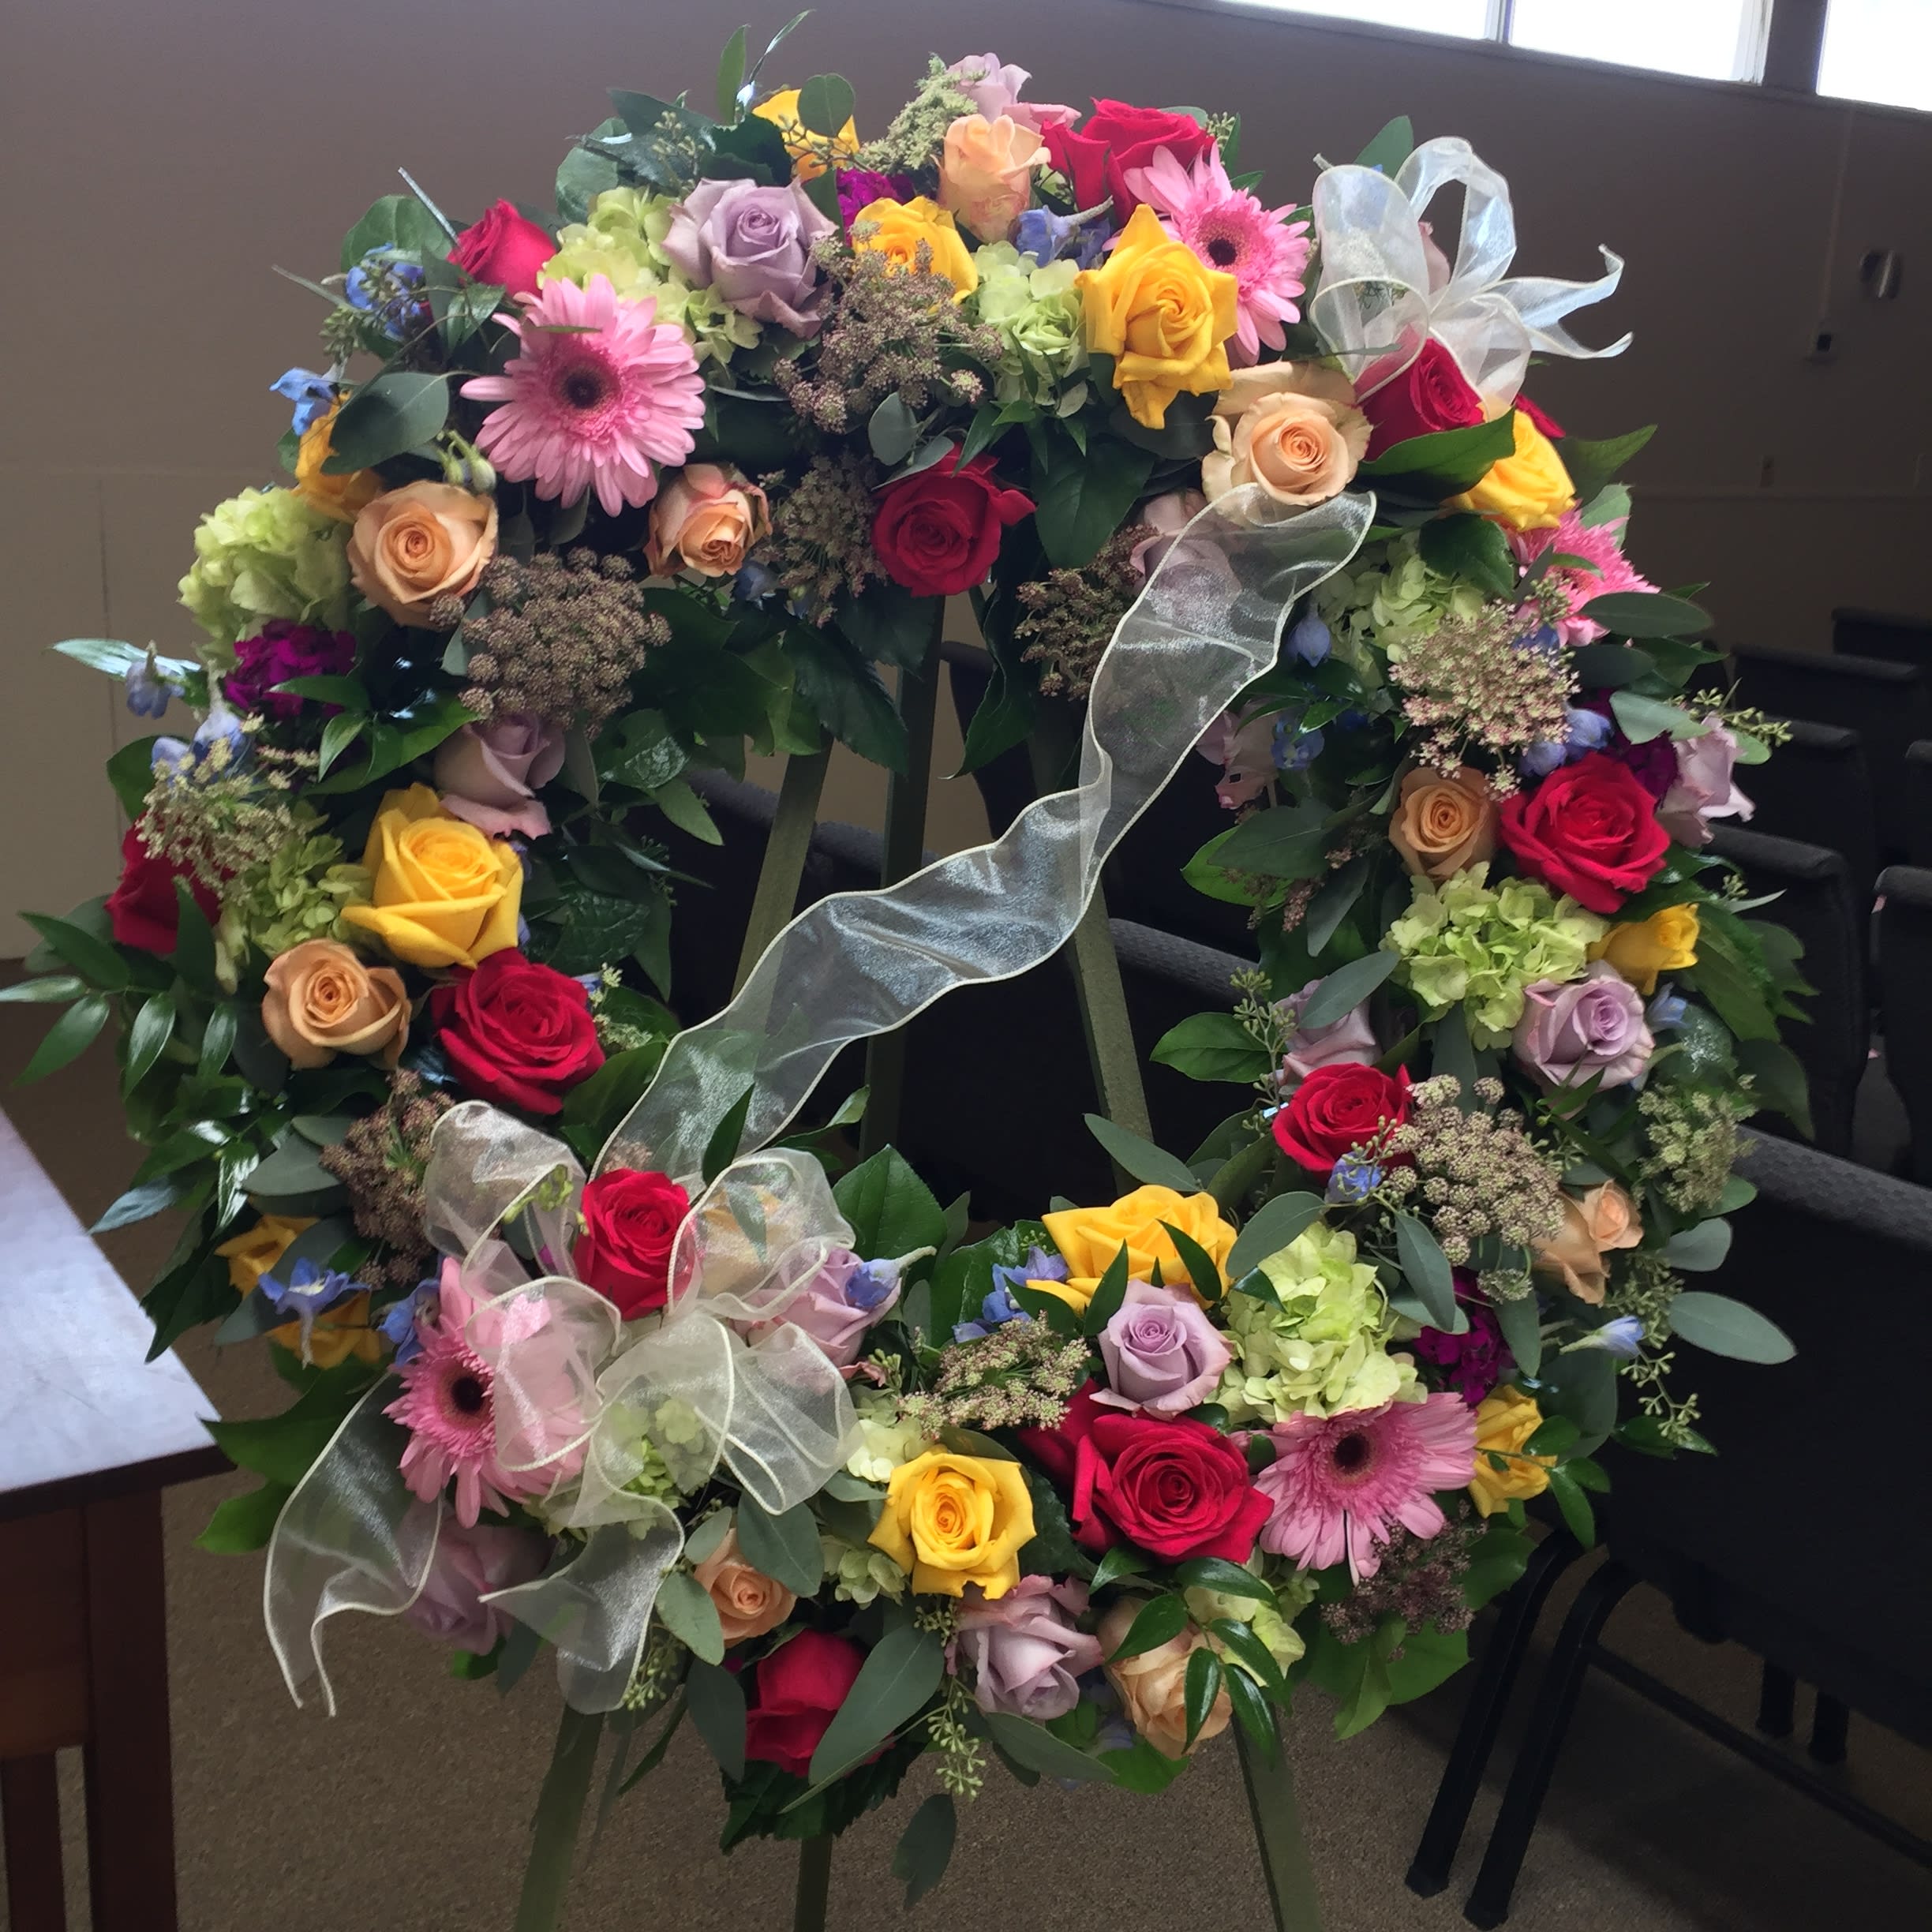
pixel 337 1333
pixel 1152 1687
pixel 413 545
pixel 806 148
pixel 897 229
pixel 1162 315
pixel 1090 1237
pixel 1667 941
pixel 1507 1420
pixel 1292 428
pixel 253 1254
pixel 1600 1221
pixel 986 174
pixel 341 497
pixel 444 894
pixel 951 1520
pixel 321 1000
pixel 1443 824
pixel 1527 491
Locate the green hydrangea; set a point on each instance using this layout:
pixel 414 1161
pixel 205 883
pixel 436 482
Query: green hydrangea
pixel 1282 1639
pixel 263 554
pixel 623 242
pixel 1037 311
pixel 1391 599
pixel 1464 943
pixel 884 1443
pixel 1322 1351
pixel 298 893
pixel 860 1573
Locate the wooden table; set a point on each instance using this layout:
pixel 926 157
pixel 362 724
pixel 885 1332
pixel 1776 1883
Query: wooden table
pixel 90 1432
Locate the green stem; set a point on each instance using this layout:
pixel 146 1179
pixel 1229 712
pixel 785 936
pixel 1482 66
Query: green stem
pixel 815 1885
pixel 775 898
pixel 1285 1861
pixel 560 1813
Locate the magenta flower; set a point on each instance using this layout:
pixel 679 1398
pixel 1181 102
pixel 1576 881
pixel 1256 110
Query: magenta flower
pixel 279 651
pixel 1474 1361
pixel 859 188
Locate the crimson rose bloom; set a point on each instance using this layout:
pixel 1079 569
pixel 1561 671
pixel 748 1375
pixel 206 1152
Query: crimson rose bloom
pixel 142 909
pixel 517 1032
pixel 1589 830
pixel 938 533
pixel 796 1691
pixel 504 248
pixel 1095 158
pixel 1337 1107
pixel 1430 395
pixel 1175 1488
pixel 629 1220
pixel 1542 419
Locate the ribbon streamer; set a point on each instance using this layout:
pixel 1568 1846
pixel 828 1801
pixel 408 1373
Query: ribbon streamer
pixel 1378 303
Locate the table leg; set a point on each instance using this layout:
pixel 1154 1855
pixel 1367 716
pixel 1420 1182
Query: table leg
pixel 30 1812
pixel 128 1769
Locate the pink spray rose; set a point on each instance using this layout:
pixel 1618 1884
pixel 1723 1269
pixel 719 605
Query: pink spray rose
pixel 1704 788
pixel 1162 1354
pixel 1349 1041
pixel 1025 1648
pixel 488 773
pixel 470 1563
pixel 1244 750
pixel 752 246
pixel 1594 1025
pixel 994 89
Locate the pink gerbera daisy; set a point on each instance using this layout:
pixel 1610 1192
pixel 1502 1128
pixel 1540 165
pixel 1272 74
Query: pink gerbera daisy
pixel 602 391
pixel 1340 1486
pixel 1230 230
pixel 1601 568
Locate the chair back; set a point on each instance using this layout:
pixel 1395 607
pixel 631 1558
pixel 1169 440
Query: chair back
pixel 1815 789
pixel 1904 977
pixel 1883 634
pixel 1918 828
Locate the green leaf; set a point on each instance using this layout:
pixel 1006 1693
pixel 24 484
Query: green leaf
pixel 153 1028
pixel 218 1039
pixel 784 1547
pixel 1256 1660
pixel 686 811
pixel 1779 1078
pixel 1159 1620
pixel 245 1522
pixel 1038 1750
pixel 70 1037
pixel 1080 501
pixel 721 1150
pixel 900 1673
pixel 283 1447
pixel 95 960
pixel 1426 1269
pixel 1726 1327
pixel 1522 1330
pixel 889 625
pixel 1332 904
pixel 1647 614
pixel 327 688
pixel 194 943
pixel 1342 990
pixel 138 1204
pixel 1472 548
pixel 1699 1250
pixel 731 70
pixel 1272 1227
pixel 1110 1295
pixel 1203 1277
pixel 686 1610
pixel 640 751
pixel 1251 1707
pixel 1287 842
pixel 1644 718
pixel 389 414
pixel 824 104
pixel 1200 1688
pixel 1142 1158
pixel 1212 1046
pixel 891 430
pixel 291 1171
pixel 844 694
pixel 716 1700
pixel 1611 504
pixel 1224 1578
pixel 56 986
pixel 1122 1560
pixel 338 735
pixel 892 1211
pixel 1592 464
pixel 1391 147
pixel 1446 462
pixel 396 221
pixel 1579 1517
pixel 925 1846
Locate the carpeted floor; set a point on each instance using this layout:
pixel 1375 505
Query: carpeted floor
pixel 407 1813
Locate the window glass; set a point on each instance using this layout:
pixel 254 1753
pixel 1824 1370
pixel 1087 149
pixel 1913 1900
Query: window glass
pixel 1712 40
pixel 1467 19
pixel 1878 50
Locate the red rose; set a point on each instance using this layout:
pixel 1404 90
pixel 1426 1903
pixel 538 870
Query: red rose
pixel 1542 418
pixel 517 1032
pixel 1589 830
pixel 1339 1107
pixel 142 909
pixel 938 533
pixel 796 1691
pixel 1115 137
pixel 630 1218
pixel 1175 1488
pixel 1430 395
pixel 504 248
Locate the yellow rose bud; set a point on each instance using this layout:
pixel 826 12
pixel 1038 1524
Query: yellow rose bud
pixel 951 1520
pixel 341 497
pixel 336 1334
pixel 1507 1420
pixel 1530 490
pixel 806 148
pixel 1163 316
pixel 897 230
pixel 1089 1238
pixel 444 894
pixel 1667 941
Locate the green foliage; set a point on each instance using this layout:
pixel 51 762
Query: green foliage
pixel 1141 1158
pixel 891 1210
pixel 925 1846
pixel 1212 1046
pixel 1080 498
pixel 900 1674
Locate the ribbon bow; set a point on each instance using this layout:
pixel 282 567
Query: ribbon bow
pixel 596 1402
pixel 1379 303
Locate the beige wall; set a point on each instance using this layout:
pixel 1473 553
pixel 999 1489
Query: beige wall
pixel 160 155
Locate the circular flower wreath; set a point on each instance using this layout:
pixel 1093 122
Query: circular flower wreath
pixel 633 491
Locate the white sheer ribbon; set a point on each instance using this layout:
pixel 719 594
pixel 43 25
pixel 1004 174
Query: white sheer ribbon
pixel 855 965
pixel 1375 306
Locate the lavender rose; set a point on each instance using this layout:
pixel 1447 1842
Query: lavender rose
pixel 1349 1041
pixel 469 1564
pixel 488 773
pixel 1704 788
pixel 1162 1354
pixel 838 1304
pixel 1594 1025
pixel 279 651
pixel 1025 1648
pixel 752 247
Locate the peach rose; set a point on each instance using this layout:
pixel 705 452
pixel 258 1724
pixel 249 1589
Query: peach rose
pixel 1292 428
pixel 1442 825
pixel 1603 1220
pixel 749 1603
pixel 1152 1687
pixel 706 519
pixel 322 1001
pixel 986 174
pixel 423 541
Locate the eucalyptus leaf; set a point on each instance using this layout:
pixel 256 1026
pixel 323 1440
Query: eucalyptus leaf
pixel 1271 1227
pixel 1140 1158
pixel 716 1700
pixel 685 1608
pixel 1426 1269
pixel 784 1547
pixel 1726 1327
pixel 1342 990
pixel 900 1675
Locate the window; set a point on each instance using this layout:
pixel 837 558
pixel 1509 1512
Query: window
pixel 1878 50
pixel 1467 20
pixel 1710 40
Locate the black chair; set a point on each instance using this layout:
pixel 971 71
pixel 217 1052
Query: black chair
pixel 1917 828
pixel 1820 907
pixel 1815 789
pixel 1715 1533
pixel 1904 977
pixel 1883 634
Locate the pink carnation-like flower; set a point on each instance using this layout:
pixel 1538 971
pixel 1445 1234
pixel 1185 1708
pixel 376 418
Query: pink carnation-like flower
pixel 601 392
pixel 1230 230
pixel 1601 547
pixel 1340 1487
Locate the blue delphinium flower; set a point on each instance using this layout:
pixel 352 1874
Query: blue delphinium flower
pixel 755 583
pixel 310 1290
pixel 1665 1013
pixel 1622 1337
pixel 312 394
pixel 1353 1180
pixel 1046 237
pixel 1309 640
pixel 1583 731
pixel 1295 749
pixel 221 727
pixel 381 286
pixel 147 691
pixel 872 1283
pixel 399 1321
pixel 1001 1306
